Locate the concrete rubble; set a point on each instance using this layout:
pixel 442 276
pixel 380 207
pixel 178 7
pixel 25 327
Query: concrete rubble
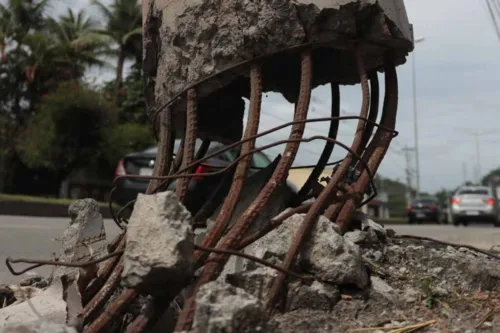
pixel 160 243
pixel 326 254
pixel 58 299
pixel 48 304
pixel 41 326
pixel 363 278
pixel 224 308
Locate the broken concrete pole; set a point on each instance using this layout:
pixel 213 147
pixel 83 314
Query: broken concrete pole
pixel 317 296
pixel 228 32
pixel 41 326
pixel 160 243
pixel 86 228
pixel 325 254
pixel 221 307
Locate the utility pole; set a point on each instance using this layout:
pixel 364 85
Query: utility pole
pixel 478 157
pixel 464 169
pixel 415 120
pixel 407 151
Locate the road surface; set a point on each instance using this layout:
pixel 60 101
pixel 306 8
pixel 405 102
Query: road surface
pixel 32 237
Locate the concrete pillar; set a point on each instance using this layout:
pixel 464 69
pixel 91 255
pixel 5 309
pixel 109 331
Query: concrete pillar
pixel 188 41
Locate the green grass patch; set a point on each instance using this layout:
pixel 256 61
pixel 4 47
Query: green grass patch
pixel 27 198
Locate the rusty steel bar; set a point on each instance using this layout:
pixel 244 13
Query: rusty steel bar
pixel 190 135
pixel 104 293
pixel 314 212
pixel 276 143
pixel 235 144
pixel 316 137
pixel 9 261
pixel 254 259
pixel 297 48
pixel 341 171
pixel 374 105
pixel 107 270
pixel 273 224
pixel 380 143
pixel 212 269
pixel 327 150
pixel 111 313
pixel 215 233
pixel 163 161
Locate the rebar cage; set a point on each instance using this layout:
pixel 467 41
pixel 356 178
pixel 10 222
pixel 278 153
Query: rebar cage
pixel 351 179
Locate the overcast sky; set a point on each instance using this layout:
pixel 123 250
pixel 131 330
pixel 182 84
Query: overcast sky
pixel 458 90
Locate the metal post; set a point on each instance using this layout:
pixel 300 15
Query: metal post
pixel 478 157
pixel 415 122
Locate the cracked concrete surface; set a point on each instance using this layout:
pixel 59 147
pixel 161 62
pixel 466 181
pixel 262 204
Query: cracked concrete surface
pixel 191 40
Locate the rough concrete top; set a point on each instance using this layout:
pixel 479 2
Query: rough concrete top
pixel 186 41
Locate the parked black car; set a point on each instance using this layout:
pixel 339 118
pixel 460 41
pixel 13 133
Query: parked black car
pixel 425 209
pixel 142 163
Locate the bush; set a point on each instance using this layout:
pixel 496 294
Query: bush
pixel 124 139
pixel 67 130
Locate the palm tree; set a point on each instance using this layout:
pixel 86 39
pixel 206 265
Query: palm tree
pixel 79 41
pixel 6 31
pixel 27 15
pixel 124 26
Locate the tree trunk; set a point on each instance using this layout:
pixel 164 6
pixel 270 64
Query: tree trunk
pixel 119 70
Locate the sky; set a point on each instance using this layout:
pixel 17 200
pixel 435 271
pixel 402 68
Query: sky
pixel 458 88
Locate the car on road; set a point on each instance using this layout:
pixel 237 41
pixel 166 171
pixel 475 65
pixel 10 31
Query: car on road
pixel 142 163
pixel 474 203
pixel 425 209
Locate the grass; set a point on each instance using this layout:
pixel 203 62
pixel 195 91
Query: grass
pixel 27 198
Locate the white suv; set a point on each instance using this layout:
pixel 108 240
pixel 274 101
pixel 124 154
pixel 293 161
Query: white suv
pixel 474 203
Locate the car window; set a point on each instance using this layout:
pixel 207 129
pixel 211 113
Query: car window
pixel 481 191
pixel 260 160
pixel 222 156
pixel 424 201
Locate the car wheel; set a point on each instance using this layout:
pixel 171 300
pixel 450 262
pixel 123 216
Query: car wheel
pixel 420 221
pixel 455 221
pixel 496 223
pixel 410 221
pixel 465 223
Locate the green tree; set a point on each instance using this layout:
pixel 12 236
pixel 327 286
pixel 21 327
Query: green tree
pixel 124 26
pixel 67 130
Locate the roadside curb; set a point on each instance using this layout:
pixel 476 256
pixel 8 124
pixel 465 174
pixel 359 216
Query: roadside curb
pixel 39 209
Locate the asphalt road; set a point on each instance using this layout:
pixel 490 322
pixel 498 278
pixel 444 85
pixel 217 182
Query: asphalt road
pixel 32 237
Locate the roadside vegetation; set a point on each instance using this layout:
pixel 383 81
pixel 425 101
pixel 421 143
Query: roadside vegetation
pixel 53 117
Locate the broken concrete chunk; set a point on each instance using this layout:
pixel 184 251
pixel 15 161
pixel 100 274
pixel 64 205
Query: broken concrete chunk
pixel 368 224
pixel 381 288
pixel 48 304
pixel 36 281
pixel 160 243
pixel 325 254
pixel 41 326
pixel 317 296
pixel 221 307
pixel 333 259
pixel 85 229
pixel 256 282
pixel 306 321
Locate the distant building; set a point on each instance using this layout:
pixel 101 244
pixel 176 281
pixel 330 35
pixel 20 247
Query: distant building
pixel 375 208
